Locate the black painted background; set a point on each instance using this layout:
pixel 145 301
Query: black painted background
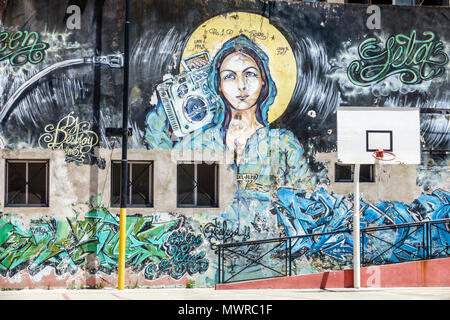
pixel 102 32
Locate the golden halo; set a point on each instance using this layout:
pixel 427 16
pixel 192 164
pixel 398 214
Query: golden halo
pixel 212 34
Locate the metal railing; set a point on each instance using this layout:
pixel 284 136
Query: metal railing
pixel 331 251
pixel 413 241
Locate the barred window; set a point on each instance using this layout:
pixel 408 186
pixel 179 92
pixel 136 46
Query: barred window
pixel 139 185
pixel 197 185
pixel 345 172
pixel 27 183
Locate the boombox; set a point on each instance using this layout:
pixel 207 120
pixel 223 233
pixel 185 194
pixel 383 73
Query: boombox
pixel 187 100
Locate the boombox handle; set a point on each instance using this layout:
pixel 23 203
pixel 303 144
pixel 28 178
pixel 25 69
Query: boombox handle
pixel 185 61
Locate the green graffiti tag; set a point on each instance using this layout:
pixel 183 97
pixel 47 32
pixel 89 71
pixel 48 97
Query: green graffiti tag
pixel 21 47
pixel 65 244
pixel 413 59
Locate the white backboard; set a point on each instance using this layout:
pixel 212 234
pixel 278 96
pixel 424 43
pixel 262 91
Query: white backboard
pixel 362 130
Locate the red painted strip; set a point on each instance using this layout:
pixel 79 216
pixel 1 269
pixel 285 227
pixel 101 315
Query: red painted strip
pixel 425 273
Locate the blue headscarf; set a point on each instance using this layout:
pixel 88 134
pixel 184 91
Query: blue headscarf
pixel 157 133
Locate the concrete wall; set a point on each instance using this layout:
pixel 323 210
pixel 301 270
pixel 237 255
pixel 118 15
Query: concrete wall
pixel 308 59
pixel 387 178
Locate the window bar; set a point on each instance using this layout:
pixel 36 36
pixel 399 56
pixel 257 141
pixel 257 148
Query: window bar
pixel 216 186
pixel 7 183
pixel 130 184
pixel 150 183
pixel 26 183
pixel 46 184
pixel 195 186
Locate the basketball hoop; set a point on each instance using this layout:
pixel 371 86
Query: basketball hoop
pixel 380 154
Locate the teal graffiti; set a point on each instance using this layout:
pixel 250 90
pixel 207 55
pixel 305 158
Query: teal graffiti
pixel 22 47
pixel 414 60
pixel 181 247
pixel 65 244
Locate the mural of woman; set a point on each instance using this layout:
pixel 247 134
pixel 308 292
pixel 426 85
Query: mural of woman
pixel 240 76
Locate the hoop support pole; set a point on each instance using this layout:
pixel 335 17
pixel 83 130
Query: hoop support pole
pixel 356 232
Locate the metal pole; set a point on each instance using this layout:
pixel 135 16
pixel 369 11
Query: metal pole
pixel 356 235
pixel 218 264
pixel 290 256
pixel 124 185
pixel 286 252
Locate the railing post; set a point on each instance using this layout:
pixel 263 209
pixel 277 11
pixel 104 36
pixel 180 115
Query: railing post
pixel 429 244
pixel 425 241
pixel 290 256
pixel 221 267
pixel 362 247
pixel 218 264
pixel 286 257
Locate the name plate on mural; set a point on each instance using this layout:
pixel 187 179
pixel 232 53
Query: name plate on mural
pixel 71 135
pixel 247 177
pixel 413 59
pixel 21 47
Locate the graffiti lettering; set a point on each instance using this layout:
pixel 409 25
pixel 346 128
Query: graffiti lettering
pixel 72 136
pixel 221 33
pixel 21 47
pixel 200 44
pixel 251 177
pixel 255 34
pixel 180 246
pixel 281 51
pixel 217 233
pixel 64 244
pixel 412 59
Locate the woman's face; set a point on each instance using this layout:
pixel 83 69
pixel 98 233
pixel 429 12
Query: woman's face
pixel 240 81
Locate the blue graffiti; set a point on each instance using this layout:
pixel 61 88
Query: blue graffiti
pixel 324 212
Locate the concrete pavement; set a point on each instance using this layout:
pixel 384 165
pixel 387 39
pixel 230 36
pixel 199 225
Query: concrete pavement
pixel 416 293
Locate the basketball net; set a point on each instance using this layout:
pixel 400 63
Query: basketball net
pixel 383 155
pixel 384 171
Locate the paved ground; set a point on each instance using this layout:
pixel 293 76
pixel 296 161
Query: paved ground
pixel 211 294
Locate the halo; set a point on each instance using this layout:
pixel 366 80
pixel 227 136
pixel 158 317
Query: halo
pixel 213 33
